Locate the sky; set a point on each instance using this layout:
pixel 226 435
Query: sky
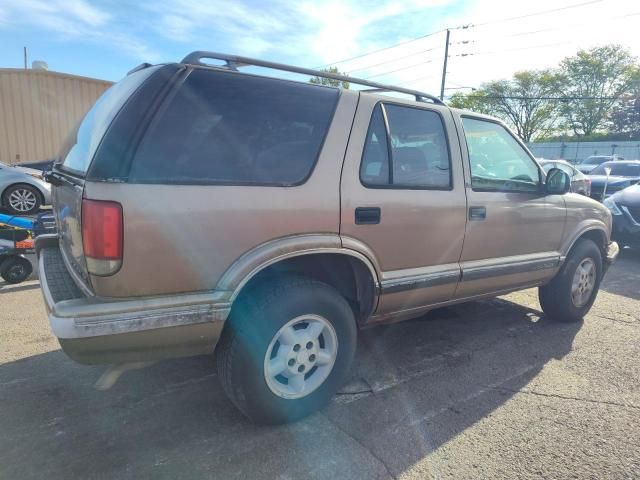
pixel 490 39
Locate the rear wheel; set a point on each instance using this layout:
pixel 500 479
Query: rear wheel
pixel 15 269
pixel 570 295
pixel 287 347
pixel 21 199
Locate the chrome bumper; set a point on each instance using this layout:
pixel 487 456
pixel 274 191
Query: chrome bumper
pixel 110 330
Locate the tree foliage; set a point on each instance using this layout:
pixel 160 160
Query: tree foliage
pixel 329 82
pixel 626 116
pixel 589 93
pixel 522 102
pixel 591 83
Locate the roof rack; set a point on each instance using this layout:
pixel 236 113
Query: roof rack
pixel 233 62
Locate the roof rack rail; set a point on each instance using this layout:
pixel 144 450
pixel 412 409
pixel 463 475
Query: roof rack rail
pixel 234 62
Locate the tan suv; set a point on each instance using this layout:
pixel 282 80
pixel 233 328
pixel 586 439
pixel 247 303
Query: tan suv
pixel 200 206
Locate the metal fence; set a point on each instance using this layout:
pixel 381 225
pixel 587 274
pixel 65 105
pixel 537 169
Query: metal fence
pixel 573 151
pixel 38 108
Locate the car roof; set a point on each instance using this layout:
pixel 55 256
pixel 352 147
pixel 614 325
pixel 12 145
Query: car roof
pixel 624 162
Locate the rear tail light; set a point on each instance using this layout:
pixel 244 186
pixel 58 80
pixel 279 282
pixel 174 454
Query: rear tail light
pixel 102 236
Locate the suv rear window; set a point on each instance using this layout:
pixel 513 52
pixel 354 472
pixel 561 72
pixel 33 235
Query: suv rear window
pixel 79 148
pixel 229 128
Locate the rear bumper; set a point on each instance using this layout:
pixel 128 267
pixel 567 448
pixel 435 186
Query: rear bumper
pixel 108 330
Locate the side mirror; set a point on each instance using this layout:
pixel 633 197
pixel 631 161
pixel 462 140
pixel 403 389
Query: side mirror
pixel 558 182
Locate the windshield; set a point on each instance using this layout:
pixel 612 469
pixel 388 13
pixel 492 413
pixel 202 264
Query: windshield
pixel 617 168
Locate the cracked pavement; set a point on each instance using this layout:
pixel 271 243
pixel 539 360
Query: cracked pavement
pixel 489 389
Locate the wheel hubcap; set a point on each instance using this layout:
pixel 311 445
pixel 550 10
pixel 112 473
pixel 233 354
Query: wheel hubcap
pixel 584 281
pixel 300 356
pixel 22 200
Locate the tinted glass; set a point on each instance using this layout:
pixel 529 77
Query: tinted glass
pixel 228 128
pixel 374 169
pixel 419 152
pixel 80 146
pixel 498 161
pixel 617 168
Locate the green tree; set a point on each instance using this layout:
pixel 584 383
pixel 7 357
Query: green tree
pixel 626 116
pixel 330 82
pixel 475 101
pixel 591 83
pixel 522 102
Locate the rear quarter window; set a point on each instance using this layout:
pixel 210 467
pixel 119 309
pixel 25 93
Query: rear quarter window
pixel 230 128
pixel 82 143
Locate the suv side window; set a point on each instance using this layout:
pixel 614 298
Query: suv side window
pixel 411 153
pixel 498 161
pixel 224 128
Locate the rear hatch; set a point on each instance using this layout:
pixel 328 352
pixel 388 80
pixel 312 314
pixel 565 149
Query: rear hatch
pixel 70 171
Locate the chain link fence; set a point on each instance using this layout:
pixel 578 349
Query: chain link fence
pixel 574 151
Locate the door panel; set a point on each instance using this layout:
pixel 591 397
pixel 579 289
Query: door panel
pixel 517 242
pixel 418 236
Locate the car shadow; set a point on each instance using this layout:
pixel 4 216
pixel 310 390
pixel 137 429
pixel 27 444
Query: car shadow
pixel 625 281
pixel 414 386
pixel 10 288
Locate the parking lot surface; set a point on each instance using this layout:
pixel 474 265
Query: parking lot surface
pixel 489 389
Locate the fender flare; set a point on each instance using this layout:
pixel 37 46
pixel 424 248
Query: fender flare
pixel 255 260
pixel 585 227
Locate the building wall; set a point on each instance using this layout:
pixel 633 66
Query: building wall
pixel 573 151
pixel 38 109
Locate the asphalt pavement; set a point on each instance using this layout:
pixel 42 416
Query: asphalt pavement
pixel 488 389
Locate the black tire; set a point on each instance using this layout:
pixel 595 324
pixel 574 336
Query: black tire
pixel 555 297
pixel 15 269
pixel 255 320
pixel 37 199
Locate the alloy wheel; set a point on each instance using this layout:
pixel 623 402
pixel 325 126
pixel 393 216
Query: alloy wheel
pixel 300 356
pixel 584 281
pixel 22 200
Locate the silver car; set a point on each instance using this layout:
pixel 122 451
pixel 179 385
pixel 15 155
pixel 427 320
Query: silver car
pixel 22 190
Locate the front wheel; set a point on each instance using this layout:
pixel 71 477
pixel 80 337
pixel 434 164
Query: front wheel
pixel 286 349
pixel 570 295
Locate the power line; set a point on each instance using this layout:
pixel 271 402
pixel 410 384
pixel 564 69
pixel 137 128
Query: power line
pixel 461 27
pixel 530 47
pixel 394 60
pixel 385 48
pixel 519 17
pixel 562 27
pixel 397 70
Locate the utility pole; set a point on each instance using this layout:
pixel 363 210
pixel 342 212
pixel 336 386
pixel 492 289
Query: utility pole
pixel 444 67
pixel 24 50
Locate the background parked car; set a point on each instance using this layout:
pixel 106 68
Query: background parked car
pixel 625 208
pixel 623 174
pixel 43 166
pixel 23 190
pixel 588 164
pixel 580 183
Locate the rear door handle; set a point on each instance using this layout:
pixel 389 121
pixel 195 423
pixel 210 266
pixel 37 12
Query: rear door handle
pixel 367 215
pixel 477 213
